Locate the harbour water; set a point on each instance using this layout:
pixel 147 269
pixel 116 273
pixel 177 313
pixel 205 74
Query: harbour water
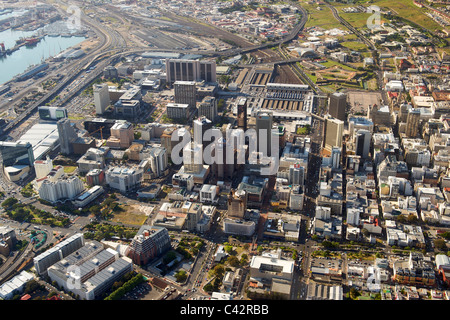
pixel 18 61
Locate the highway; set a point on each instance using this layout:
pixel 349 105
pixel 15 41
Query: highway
pixel 111 46
pixel 108 39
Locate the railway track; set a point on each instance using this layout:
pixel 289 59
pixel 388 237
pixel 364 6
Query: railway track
pixel 105 42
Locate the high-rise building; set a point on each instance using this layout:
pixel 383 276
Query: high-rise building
pixel 242 113
pixel 412 123
pixel 334 130
pixel 190 70
pixel 200 125
pixel 122 135
pixel 16 153
pixel 148 243
pixel 99 127
pixel 177 110
pixel 264 120
pixel 208 108
pixel 193 158
pixel 362 143
pixel 123 179
pixel 157 158
pixel 337 105
pixel 101 97
pixel 185 92
pixel 43 167
pixel 67 135
pixel 61 189
pixel 297 174
pixel 336 154
pixel 237 203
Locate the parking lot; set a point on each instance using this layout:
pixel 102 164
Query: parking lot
pixel 144 291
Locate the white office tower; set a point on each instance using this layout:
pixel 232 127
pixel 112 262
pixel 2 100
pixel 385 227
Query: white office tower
pixel 336 158
pixel 362 143
pixel 158 160
pixel 101 97
pixel 200 126
pixel 323 213
pixel 353 216
pixel 236 147
pixel 192 158
pixel 43 167
pixel 124 179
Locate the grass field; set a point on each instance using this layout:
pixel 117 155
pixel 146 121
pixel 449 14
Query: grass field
pixel 354 45
pixel 331 63
pixel 407 10
pixel 320 18
pixel 69 169
pixel 130 215
pixel 404 8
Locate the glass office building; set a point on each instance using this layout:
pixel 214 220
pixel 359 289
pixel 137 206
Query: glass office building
pixel 16 153
pixel 52 113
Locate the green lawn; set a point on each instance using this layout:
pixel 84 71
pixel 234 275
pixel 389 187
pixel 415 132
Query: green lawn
pixel 69 169
pixel 331 63
pixel 407 10
pixel 354 45
pixel 320 18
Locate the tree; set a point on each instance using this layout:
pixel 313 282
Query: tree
pixel 440 244
pixel 228 249
pixel 365 232
pixel 208 287
pixel 219 271
pixel 244 259
pixel 412 218
pixel 169 257
pixel 9 202
pixel 181 276
pixel 354 294
pixel 233 261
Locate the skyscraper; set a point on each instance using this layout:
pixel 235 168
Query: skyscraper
pixel 200 125
pixel 334 130
pixel 192 158
pixel 412 123
pixel 190 70
pixel 148 243
pixel 337 105
pixel 362 143
pixel 336 157
pixel 208 108
pixel 101 97
pixel 67 134
pixel 185 93
pixel 242 113
pixel 237 203
pixel 264 120
pixel 297 174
